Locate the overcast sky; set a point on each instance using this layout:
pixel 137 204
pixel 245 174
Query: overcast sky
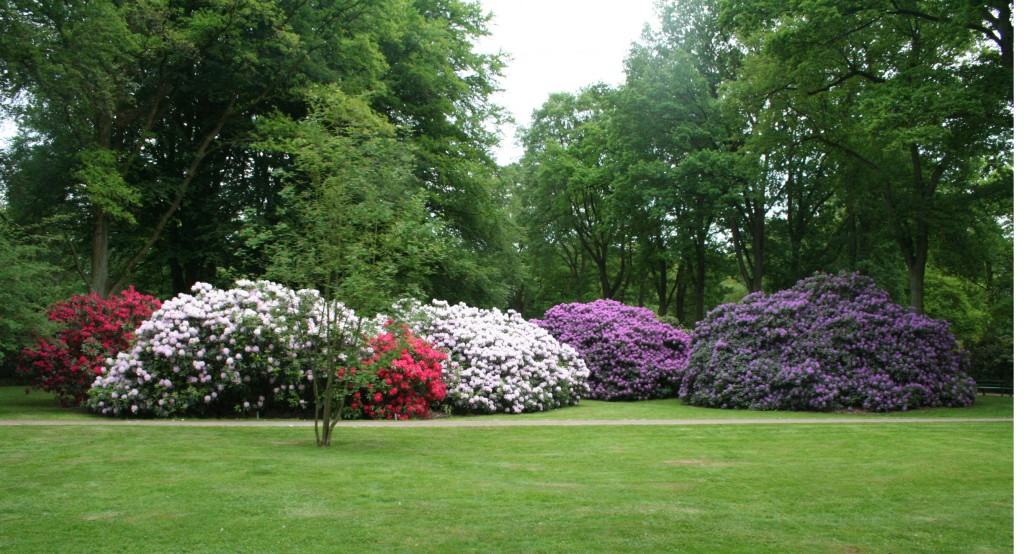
pixel 558 46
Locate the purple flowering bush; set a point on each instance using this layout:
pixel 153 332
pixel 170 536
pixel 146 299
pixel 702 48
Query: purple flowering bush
pixel 631 354
pixel 831 342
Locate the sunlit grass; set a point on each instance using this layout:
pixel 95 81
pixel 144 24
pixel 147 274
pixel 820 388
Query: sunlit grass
pixel 15 404
pixel 936 487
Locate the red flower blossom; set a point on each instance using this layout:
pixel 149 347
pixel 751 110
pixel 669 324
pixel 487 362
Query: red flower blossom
pixel 405 366
pixel 91 330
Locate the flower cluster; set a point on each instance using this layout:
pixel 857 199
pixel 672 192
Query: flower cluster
pixel 831 342
pixel 503 363
pixel 91 329
pixel 631 354
pixel 400 379
pixel 215 350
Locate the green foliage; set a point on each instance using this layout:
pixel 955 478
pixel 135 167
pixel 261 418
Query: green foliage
pixel 570 208
pixel 960 303
pixel 29 284
pixel 105 187
pixel 756 142
pixel 352 222
pixel 906 95
pixel 157 113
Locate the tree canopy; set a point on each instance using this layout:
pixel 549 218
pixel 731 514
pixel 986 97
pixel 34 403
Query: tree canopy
pixel 347 145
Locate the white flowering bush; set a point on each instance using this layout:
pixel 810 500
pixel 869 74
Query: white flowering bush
pixel 502 363
pixel 216 351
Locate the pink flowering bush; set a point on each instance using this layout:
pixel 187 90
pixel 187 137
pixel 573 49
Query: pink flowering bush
pixel 90 330
pixel 400 379
pixel 631 354
pixel 499 361
pixel 216 351
pixel 831 342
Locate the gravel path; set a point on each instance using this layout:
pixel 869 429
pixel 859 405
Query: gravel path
pixel 485 423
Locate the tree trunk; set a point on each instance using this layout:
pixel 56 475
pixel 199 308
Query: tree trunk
pixel 750 258
pixel 699 279
pixel 100 278
pixel 757 245
pixel 916 268
pixel 602 272
pixel 681 290
pixel 177 276
pixel 662 286
pixel 641 295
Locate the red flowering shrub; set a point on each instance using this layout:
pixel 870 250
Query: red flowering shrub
pixel 399 380
pixel 90 330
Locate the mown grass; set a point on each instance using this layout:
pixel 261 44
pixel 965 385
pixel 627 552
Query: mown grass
pixel 985 407
pixel 899 487
pixel 15 404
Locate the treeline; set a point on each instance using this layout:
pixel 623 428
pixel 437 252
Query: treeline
pixel 320 143
pixel 346 145
pixel 756 142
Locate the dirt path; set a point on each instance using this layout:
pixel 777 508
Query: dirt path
pixel 484 422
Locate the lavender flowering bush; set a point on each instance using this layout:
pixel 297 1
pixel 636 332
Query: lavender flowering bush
pixel 218 350
pixel 831 342
pixel 502 363
pixel 631 354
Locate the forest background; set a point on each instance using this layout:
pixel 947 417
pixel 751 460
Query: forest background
pixel 348 145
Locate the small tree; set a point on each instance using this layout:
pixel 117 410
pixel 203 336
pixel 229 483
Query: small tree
pixel 353 226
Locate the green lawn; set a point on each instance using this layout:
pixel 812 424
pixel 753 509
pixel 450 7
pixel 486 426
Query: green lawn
pixel 985 407
pixel 931 487
pixel 15 404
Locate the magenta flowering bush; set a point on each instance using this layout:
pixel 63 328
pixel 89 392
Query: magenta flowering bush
pixel 631 354
pixel 831 342
pixel 216 351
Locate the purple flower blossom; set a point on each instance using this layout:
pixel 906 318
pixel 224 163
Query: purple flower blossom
pixel 831 342
pixel 631 355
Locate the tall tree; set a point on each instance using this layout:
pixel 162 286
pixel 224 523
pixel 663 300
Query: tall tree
pixel 149 93
pixel 916 100
pixel 668 116
pixel 156 120
pixel 569 184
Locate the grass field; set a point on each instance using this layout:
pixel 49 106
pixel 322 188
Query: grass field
pixel 15 404
pixel 844 488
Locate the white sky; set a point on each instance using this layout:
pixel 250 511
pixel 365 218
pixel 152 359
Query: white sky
pixel 558 46
pixel 552 46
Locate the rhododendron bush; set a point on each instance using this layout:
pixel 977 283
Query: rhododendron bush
pixel 90 330
pixel 215 351
pixel 401 378
pixel 502 363
pixel 631 354
pixel 831 342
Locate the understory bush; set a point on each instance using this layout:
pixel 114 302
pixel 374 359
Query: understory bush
pixel 89 329
pixel 831 342
pixel 400 378
pixel 216 351
pixel 630 353
pixel 499 361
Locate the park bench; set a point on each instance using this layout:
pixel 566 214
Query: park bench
pixel 995 387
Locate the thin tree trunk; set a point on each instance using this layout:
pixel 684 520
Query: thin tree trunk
pixel 916 269
pixel 641 295
pixel 699 278
pixel 681 290
pixel 100 278
pixel 662 286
